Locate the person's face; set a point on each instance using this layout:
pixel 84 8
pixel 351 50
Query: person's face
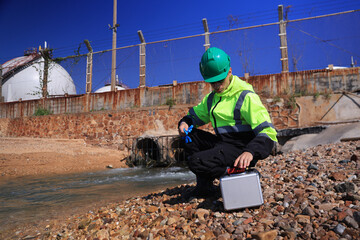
pixel 220 86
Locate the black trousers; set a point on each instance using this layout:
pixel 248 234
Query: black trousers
pixel 208 156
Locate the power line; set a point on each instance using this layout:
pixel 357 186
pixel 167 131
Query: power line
pixel 325 41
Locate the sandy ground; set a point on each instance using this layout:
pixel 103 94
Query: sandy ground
pixel 40 157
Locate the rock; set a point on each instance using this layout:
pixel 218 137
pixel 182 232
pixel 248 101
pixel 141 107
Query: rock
pixel 151 209
pixel 102 234
pixel 171 221
pixel 312 167
pixel 125 230
pixel 352 177
pixel 209 235
pixel 300 178
pixel 319 206
pixel 354 158
pixel 279 197
pixel 270 235
pixel 84 223
pixel 329 235
pixel 249 220
pixel 290 233
pixel 344 161
pixel 267 222
pixel 218 215
pixel 327 206
pixel 202 214
pixel 339 229
pixel 341 215
pixel 357 217
pixel 308 211
pixel 308 228
pixel 351 222
pixel 217 231
pixel 316 154
pixel 338 176
pixel 345 187
pixel 303 219
pixel 109 166
pixel 224 236
pixel 239 221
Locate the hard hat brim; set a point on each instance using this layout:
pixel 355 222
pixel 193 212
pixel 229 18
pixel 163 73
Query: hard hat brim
pixel 217 78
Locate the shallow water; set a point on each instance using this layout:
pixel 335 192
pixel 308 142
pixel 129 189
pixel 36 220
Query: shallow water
pixel 25 201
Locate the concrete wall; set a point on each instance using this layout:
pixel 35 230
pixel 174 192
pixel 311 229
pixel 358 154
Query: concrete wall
pixel 115 128
pixel 325 109
pixel 118 128
pixel 114 118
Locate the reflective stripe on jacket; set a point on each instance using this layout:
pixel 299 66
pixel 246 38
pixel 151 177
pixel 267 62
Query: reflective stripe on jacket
pixel 236 110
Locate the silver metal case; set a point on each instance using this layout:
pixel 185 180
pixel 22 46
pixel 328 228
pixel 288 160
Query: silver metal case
pixel 241 190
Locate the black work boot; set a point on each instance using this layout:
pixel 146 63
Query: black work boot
pixel 204 189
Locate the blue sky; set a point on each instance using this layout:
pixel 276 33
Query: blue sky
pixel 64 24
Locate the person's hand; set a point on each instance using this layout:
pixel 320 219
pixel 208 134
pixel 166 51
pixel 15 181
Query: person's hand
pixel 183 125
pixel 243 161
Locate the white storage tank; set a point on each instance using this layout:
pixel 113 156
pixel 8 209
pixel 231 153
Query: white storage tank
pixel 107 88
pixel 23 76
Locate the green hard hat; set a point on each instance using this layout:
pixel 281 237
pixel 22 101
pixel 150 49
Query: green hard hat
pixel 214 65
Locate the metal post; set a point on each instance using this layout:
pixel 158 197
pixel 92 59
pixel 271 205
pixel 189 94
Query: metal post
pixel 283 41
pixel 113 62
pixel 89 66
pixel 46 55
pixel 207 34
pixel 142 57
pixel 1 96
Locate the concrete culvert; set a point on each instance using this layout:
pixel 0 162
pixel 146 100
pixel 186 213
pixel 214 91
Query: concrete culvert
pixel 157 151
pixel 147 152
pixel 176 151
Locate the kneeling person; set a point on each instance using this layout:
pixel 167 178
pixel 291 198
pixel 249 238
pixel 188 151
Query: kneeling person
pixel 244 133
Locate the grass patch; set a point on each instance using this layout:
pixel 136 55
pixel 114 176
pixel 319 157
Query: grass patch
pixel 42 112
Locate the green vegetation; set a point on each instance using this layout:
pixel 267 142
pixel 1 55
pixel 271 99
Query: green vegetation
pixel 316 96
pixel 42 112
pixel 95 110
pixel 276 99
pixel 170 102
pixel 327 96
pixel 291 102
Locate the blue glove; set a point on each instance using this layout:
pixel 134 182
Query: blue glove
pixel 187 138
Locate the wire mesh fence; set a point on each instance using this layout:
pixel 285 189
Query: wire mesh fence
pixel 312 44
pixel 316 43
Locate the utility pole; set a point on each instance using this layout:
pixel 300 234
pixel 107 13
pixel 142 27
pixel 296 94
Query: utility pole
pixel 283 41
pixel 142 59
pixel 1 96
pixel 89 66
pixel 46 54
pixel 207 34
pixel 113 62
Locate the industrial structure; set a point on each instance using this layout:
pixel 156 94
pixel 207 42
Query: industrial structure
pixel 31 77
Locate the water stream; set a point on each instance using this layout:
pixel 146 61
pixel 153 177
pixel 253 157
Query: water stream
pixel 30 200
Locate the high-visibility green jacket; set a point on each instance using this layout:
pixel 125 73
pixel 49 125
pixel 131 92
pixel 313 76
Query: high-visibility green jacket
pixel 238 117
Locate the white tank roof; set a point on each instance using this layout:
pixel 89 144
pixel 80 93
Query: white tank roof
pixel 107 88
pixel 23 79
pixel 13 63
